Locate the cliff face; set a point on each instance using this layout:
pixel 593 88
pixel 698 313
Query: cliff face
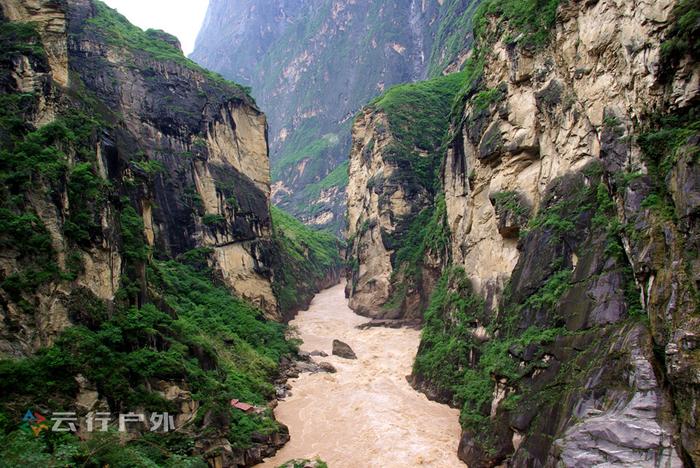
pixel 567 323
pixel 396 238
pixel 188 151
pixel 135 201
pixel 312 65
pixel 306 262
pixel 208 140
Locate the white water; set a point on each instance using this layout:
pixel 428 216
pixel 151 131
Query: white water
pixel 365 415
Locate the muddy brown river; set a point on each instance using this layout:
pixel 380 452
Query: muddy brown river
pixel 366 414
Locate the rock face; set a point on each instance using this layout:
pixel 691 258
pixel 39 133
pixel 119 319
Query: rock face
pixel 568 229
pixel 343 350
pixel 327 367
pixel 396 226
pixel 187 150
pixel 214 189
pixel 312 65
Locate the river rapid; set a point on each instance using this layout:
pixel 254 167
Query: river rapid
pixel 366 414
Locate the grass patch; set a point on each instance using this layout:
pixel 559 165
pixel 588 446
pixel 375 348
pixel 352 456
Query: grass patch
pixel 418 112
pixel 530 20
pixel 315 149
pixel 338 177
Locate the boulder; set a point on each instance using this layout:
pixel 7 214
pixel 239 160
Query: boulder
pixel 327 367
pixel 343 350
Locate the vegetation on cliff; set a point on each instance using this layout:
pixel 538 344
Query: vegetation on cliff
pixel 453 35
pixel 418 121
pixel 584 300
pixel 683 39
pixel 306 260
pixel 466 351
pixel 530 21
pixel 117 31
pixel 417 117
pixel 174 338
pixel 192 332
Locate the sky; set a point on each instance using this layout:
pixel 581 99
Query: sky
pixel 181 18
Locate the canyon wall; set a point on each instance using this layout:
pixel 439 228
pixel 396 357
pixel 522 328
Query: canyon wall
pixel 568 225
pixel 186 152
pixel 565 318
pixel 139 268
pixel 397 239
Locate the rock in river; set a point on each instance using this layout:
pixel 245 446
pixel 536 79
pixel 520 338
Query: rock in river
pixel 327 367
pixel 343 350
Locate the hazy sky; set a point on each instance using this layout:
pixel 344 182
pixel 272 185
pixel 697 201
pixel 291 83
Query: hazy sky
pixel 181 18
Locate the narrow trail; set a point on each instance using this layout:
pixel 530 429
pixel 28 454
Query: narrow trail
pixel 365 415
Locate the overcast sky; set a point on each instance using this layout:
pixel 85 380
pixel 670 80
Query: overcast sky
pixel 181 18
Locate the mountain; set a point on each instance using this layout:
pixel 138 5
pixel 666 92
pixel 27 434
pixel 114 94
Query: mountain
pixel 552 255
pixel 313 64
pixel 139 262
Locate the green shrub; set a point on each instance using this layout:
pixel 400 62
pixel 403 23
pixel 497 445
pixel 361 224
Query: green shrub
pixel 446 340
pixel 509 201
pixel 534 19
pixel 213 219
pixel 417 112
pixel 428 232
pixel 20 38
pixel 86 195
pixel 661 139
pixel 683 38
pixel 216 345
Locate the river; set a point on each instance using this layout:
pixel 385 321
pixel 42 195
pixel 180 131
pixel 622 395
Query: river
pixel 366 414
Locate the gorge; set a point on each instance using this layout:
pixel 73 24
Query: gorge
pixel 494 203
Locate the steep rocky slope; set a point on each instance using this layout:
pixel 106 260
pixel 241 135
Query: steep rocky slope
pixel 565 321
pixel 313 64
pixel 138 265
pixel 134 129
pixel 397 240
